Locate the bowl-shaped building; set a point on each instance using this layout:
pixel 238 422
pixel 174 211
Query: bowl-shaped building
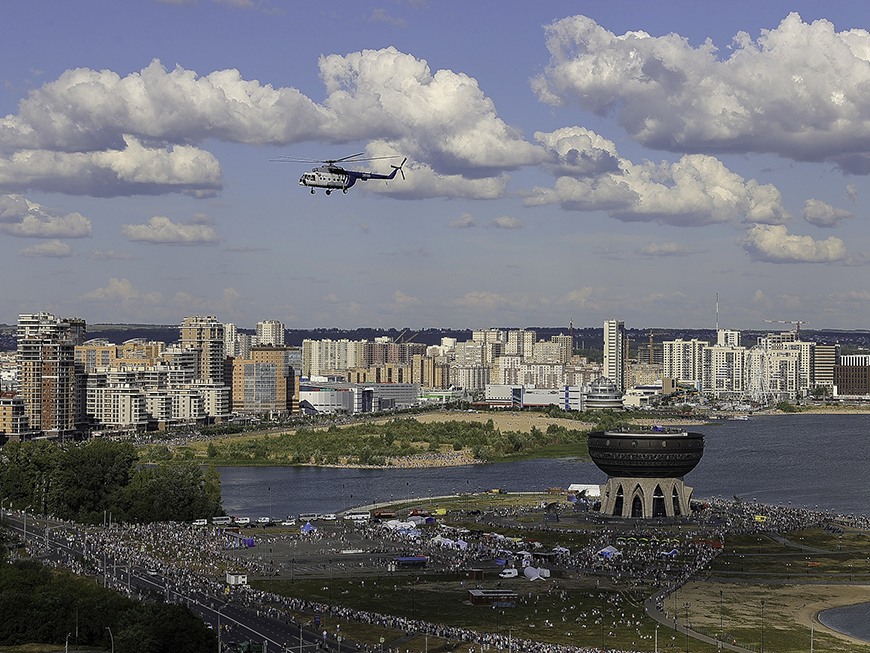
pixel 662 453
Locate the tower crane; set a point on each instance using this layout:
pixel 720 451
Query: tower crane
pixel 651 334
pixel 795 323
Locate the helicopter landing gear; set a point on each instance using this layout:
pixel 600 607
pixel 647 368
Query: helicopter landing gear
pixel 344 190
pixel 329 192
pixel 312 191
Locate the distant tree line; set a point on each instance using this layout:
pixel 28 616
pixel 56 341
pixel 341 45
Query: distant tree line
pixel 40 605
pixel 369 443
pixel 86 481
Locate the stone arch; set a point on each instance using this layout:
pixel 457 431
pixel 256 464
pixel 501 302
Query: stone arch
pixel 620 499
pixel 659 508
pixel 675 498
pixel 637 511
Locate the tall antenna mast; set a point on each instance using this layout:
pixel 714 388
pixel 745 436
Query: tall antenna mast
pixel 717 312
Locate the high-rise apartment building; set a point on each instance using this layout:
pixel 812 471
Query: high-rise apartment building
pixel 205 333
pixel 614 353
pixel 270 333
pixel 47 371
pixel 681 359
pixel 230 340
pixel 264 382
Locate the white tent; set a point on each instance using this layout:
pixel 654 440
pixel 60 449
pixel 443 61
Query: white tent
pixel 609 552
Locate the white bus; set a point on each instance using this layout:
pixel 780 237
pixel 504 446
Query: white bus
pixel 222 521
pixel 358 515
pixel 309 516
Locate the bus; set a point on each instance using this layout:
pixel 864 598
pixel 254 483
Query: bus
pixel 358 515
pixel 223 520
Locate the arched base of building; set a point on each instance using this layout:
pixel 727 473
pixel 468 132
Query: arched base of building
pixel 645 498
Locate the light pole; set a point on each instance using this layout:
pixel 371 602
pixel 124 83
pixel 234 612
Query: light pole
pixel 25 524
pixel 686 625
pixel 762 625
pixel 66 644
pixel 219 625
pixel 721 627
pixel 112 637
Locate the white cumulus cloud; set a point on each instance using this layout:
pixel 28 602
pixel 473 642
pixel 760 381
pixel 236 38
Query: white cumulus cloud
pixel 96 132
pixel 665 249
pixel 21 217
pixel 160 230
pixel 822 214
pixel 506 222
pixel 694 191
pixel 49 249
pixel 773 244
pixel 798 90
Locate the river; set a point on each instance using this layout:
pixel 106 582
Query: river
pixel 802 460
pixel 805 460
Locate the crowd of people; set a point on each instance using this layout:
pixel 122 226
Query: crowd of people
pixel 197 558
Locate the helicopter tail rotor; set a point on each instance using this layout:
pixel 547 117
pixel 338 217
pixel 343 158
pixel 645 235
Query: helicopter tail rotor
pixel 399 168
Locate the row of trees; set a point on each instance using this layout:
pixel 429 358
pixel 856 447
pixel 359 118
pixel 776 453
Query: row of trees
pixel 83 482
pixel 42 605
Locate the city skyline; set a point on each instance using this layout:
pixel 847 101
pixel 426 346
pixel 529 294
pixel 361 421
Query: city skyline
pixel 565 162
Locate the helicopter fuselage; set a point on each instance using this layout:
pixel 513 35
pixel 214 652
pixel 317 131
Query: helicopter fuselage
pixel 328 177
pixel 332 177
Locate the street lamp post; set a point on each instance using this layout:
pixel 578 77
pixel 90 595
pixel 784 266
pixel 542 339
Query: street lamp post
pixel 762 625
pixel 686 625
pixel 112 637
pixel 219 625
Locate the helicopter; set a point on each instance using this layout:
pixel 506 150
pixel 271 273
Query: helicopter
pixel 330 176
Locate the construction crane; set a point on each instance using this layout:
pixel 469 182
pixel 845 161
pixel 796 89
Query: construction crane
pixel 795 323
pixel 651 334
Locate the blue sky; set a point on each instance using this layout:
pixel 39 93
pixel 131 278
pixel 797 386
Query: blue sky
pixel 566 160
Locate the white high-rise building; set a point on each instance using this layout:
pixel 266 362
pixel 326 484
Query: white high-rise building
pixel 614 353
pixel 728 338
pixel 230 340
pixel 681 359
pixel 270 332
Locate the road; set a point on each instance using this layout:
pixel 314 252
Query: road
pixel 233 623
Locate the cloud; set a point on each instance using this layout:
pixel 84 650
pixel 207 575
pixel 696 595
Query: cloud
pixel 129 170
pixel 797 91
pixel 245 249
pixel 23 218
pixel 579 152
pixel 160 230
pixel 773 244
pixel 506 222
pixel 697 190
pixel 822 214
pixel 110 255
pixel 665 249
pixel 464 221
pixel 49 249
pixel 95 132
pixel 381 16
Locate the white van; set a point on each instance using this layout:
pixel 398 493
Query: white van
pixel 243 521
pixel 200 522
pixel 509 573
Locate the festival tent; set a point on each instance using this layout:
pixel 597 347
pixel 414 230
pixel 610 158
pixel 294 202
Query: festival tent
pixel 308 528
pixel 536 573
pixel 609 552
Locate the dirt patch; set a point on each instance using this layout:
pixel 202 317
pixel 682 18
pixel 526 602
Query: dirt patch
pixel 784 605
